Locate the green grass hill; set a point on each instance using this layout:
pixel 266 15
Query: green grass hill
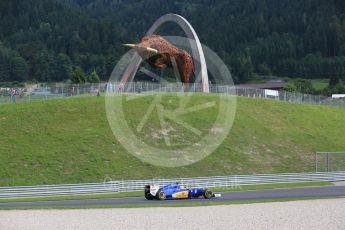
pixel 70 141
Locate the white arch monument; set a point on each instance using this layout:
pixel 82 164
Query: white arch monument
pixel 196 47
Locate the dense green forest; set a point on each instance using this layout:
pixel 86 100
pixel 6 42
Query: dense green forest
pixel 45 40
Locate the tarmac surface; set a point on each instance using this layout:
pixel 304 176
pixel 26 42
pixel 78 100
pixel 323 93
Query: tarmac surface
pixel 307 192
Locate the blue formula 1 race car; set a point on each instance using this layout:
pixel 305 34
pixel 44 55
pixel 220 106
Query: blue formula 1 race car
pixel 176 191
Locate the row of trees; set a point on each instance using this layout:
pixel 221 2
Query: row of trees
pixel 298 39
pixel 45 40
pixel 79 77
pixel 47 67
pixel 306 87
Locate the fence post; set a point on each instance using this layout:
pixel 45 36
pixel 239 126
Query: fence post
pixel 327 162
pixel 316 162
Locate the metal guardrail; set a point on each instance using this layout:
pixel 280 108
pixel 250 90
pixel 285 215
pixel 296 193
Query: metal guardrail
pixel 108 187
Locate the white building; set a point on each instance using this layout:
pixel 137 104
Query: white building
pixel 337 96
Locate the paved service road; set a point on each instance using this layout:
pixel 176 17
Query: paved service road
pixel 324 191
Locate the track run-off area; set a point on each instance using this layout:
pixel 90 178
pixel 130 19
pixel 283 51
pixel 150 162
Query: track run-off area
pixel 256 195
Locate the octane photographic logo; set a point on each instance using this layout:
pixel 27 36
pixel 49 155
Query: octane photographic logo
pixel 163 124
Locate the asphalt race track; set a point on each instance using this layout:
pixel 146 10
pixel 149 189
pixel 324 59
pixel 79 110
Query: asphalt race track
pixel 324 191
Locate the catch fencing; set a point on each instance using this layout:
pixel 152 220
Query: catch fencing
pixel 109 186
pixel 49 91
pixel 58 91
pixel 329 161
pixel 293 97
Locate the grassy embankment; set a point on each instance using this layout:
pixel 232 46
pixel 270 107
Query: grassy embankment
pixel 70 141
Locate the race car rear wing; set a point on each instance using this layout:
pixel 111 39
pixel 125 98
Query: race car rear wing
pixel 153 189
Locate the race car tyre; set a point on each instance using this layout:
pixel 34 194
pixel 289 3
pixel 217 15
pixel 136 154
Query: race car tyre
pixel 148 195
pixel 207 194
pixel 162 195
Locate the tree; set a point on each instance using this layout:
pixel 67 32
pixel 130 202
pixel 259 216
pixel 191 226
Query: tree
pixel 12 66
pixel 63 69
pixel 304 86
pixel 242 66
pixel 44 66
pixel 329 90
pixel 19 69
pixel 340 89
pixel 290 87
pixel 264 70
pixel 334 80
pixel 78 76
pixel 300 85
pixel 93 77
